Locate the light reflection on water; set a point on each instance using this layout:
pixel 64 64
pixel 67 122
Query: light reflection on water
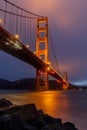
pixel 68 105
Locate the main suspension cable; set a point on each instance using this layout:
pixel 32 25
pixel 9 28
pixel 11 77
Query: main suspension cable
pixel 23 9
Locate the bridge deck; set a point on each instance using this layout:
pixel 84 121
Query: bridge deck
pixel 12 46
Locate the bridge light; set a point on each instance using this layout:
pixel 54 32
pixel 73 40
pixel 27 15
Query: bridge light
pixel 27 46
pixel 0 21
pixel 16 36
pixel 48 63
pixel 35 52
pixel 48 68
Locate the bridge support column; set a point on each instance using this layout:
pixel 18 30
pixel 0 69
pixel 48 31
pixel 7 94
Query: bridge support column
pixel 42 52
pixel 65 84
pixel 41 80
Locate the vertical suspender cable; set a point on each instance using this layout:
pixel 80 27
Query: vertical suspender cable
pixel 20 24
pixel 28 29
pixel 25 34
pixel 54 52
pixel 32 34
pixel 11 19
pixel 17 22
pixel 5 14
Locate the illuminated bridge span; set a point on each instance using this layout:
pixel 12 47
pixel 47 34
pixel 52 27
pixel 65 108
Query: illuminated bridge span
pixel 33 29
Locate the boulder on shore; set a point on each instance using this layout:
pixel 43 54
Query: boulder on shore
pixel 5 103
pixel 27 117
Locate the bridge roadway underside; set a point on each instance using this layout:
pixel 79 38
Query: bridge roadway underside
pixel 12 46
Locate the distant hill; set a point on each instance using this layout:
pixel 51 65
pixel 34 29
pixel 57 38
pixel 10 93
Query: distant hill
pixel 25 84
pixel 29 84
pixel 19 84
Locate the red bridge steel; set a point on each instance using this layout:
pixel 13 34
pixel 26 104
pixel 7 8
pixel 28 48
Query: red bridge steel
pixel 14 47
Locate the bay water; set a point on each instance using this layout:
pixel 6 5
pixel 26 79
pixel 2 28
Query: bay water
pixel 69 105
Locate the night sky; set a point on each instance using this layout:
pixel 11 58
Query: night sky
pixel 68 25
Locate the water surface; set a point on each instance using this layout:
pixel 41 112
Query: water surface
pixel 68 105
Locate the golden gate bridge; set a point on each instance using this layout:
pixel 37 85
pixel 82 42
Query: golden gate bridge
pixel 25 35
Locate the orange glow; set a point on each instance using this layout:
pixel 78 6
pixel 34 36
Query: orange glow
pixel 40 72
pixel 52 72
pixel 42 6
pixel 65 87
pixel 27 46
pixel 49 63
pixel 58 81
pixel 35 52
pixel 0 21
pixel 16 36
pixel 48 68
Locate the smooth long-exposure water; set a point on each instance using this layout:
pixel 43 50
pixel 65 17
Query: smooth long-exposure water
pixel 68 105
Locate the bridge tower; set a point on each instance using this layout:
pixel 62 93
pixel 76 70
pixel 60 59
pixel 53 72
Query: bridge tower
pixel 65 85
pixel 42 52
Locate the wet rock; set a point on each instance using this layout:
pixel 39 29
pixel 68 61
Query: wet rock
pixel 10 122
pixel 69 126
pixel 50 120
pixel 52 127
pixel 27 117
pixel 27 111
pixel 39 123
pixel 14 122
pixel 40 112
pixel 5 103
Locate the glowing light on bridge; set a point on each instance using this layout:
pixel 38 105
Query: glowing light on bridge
pixel 35 52
pixel 17 36
pixel 49 63
pixel 27 46
pixel 48 68
pixel 0 21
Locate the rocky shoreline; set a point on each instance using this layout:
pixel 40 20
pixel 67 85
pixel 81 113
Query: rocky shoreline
pixel 27 117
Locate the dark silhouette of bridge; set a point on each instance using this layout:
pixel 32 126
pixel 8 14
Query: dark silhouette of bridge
pixel 15 20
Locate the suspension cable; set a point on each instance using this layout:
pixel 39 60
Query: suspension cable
pixel 17 14
pixel 23 9
pixel 5 13
pixel 52 44
pixel 28 30
pixel 17 22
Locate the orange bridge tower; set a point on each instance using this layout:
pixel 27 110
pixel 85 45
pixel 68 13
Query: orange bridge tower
pixel 65 85
pixel 42 52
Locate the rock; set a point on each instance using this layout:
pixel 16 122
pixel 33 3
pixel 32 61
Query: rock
pixel 53 127
pixel 14 122
pixel 27 111
pixel 5 103
pixel 27 117
pixel 39 123
pixel 8 122
pixel 40 112
pixel 50 120
pixel 69 126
